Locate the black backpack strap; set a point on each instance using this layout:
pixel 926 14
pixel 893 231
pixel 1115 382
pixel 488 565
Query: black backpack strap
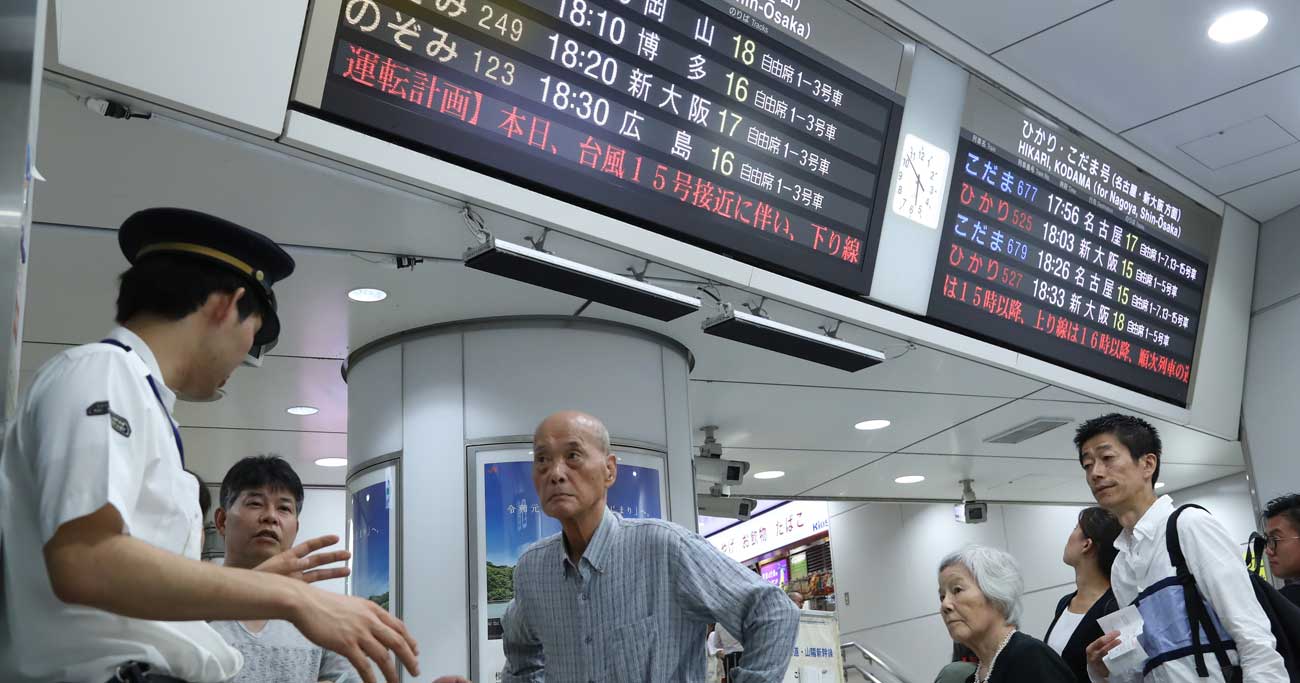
pixel 1197 616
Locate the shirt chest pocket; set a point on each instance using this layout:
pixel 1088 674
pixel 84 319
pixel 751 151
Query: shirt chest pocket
pixel 635 647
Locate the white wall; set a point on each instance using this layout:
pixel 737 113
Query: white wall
pixel 886 556
pixel 1228 499
pixel 1272 375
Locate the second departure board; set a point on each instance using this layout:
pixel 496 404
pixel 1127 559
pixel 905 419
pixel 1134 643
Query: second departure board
pixel 705 122
pixel 1071 255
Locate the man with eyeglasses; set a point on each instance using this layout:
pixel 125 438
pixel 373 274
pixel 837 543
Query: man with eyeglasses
pixel 1282 525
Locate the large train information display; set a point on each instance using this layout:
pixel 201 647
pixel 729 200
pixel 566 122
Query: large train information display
pixel 712 123
pixel 1060 250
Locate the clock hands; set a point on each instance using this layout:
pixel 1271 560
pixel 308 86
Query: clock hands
pixel 915 173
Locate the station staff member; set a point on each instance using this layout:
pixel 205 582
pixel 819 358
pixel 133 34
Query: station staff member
pixel 100 529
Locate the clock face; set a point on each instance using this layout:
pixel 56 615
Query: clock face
pixel 919 182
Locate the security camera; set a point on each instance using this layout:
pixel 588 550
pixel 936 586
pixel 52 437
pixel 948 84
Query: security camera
pixel 720 471
pixel 710 466
pixel 969 510
pixel 725 506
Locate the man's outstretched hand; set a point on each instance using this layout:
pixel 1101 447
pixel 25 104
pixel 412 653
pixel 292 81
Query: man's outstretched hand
pixel 301 561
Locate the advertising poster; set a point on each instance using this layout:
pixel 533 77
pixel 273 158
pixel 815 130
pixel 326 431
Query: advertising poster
pixel 511 519
pixel 776 573
pixel 371 531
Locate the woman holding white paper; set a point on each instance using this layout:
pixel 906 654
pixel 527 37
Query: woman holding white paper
pixel 980 591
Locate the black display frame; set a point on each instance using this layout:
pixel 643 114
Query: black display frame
pixel 963 310
pixel 756 248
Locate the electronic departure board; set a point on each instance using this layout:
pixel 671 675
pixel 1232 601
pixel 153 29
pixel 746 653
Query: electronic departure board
pixel 1060 250
pixel 707 121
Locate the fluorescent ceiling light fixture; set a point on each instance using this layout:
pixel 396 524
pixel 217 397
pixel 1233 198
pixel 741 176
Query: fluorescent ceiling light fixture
pixel 910 479
pixel 302 411
pixel 1237 26
pixel 770 474
pixel 570 277
pixel 1160 484
pixel 791 341
pixel 367 295
pixel 871 425
pixel 332 462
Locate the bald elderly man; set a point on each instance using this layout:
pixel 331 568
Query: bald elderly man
pixel 627 600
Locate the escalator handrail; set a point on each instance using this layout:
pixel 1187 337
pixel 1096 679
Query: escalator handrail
pixel 863 672
pixel 871 657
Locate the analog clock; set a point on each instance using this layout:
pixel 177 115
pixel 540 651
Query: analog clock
pixel 918 187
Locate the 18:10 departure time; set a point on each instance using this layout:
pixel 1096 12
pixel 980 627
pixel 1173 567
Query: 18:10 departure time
pixel 607 26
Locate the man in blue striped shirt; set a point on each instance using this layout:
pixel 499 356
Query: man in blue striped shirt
pixel 611 600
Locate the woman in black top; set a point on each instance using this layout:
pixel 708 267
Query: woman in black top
pixel 980 591
pixel 1091 552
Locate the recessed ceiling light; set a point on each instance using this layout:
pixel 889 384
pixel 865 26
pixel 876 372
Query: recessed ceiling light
pixel 1237 26
pixel 869 425
pixel 332 462
pixel 1160 484
pixel 367 295
pixel 910 479
pixel 302 411
pixel 770 474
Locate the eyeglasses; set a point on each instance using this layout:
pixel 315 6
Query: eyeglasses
pixel 1272 541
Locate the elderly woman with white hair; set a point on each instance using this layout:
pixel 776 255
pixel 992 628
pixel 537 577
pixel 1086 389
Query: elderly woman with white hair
pixel 980 590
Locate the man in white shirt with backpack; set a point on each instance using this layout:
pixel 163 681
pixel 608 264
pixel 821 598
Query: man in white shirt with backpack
pixel 1120 455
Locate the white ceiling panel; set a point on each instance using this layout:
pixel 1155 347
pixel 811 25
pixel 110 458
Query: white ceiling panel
pixel 1130 61
pixel 255 398
pixel 804 469
pixel 919 369
pixel 1180 444
pixel 1031 479
pixel 1268 199
pixel 211 452
pixel 1267 111
pixel 1239 142
pixel 756 416
pixel 1054 393
pixel 280 383
pixel 994 24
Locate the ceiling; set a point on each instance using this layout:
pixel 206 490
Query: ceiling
pixel 776 412
pixel 1225 116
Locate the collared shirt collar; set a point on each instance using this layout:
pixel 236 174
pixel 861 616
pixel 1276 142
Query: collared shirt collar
pixel 597 551
pixel 142 350
pixel 1154 520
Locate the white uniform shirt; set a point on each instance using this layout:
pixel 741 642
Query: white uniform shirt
pixel 89 433
pixel 1220 574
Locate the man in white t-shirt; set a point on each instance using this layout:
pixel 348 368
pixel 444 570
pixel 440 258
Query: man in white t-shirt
pixel 257 516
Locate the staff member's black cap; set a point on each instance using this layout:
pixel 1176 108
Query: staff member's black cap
pixel 261 262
